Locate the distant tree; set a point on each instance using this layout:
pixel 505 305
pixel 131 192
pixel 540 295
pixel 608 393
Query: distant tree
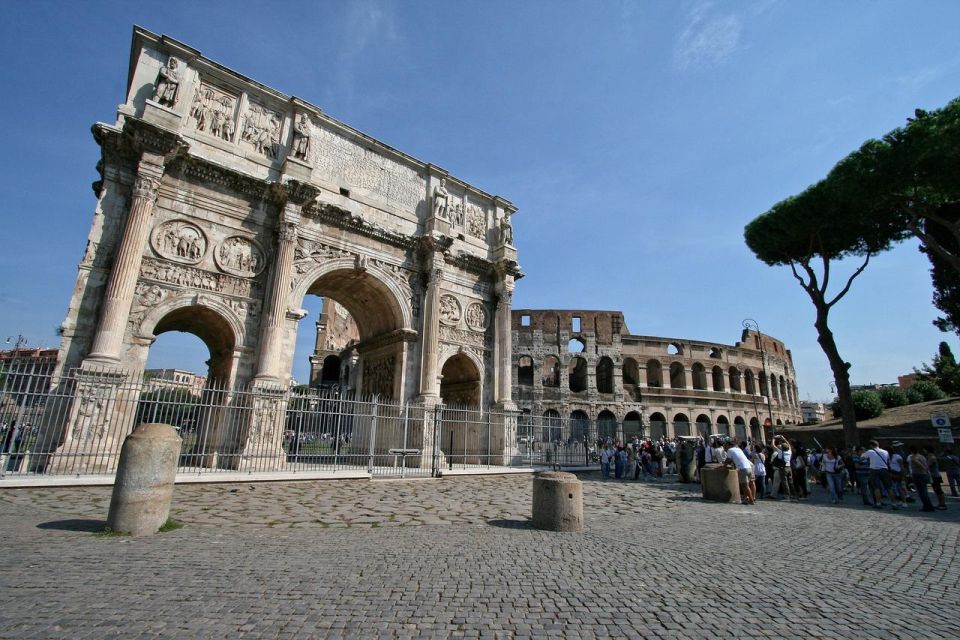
pixel 867 404
pixel 808 233
pixel 943 371
pixel 893 397
pixel 177 407
pixel 907 183
pixel 928 390
pixel 913 395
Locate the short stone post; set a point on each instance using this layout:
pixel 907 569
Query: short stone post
pixel 557 502
pixel 143 488
pixel 720 483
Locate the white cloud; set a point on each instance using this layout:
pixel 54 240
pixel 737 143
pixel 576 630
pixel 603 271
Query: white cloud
pixel 707 39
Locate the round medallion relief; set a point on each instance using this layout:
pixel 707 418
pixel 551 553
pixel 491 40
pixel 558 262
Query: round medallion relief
pixel 476 316
pixel 180 241
pixel 450 310
pixel 239 256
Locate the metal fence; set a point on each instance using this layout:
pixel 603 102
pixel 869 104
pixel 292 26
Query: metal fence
pixel 75 424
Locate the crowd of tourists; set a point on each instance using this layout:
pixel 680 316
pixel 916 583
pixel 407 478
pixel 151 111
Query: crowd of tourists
pixel 781 470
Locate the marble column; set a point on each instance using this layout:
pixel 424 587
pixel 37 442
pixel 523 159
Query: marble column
pixel 429 376
pixel 271 338
pixel 108 340
pixel 503 345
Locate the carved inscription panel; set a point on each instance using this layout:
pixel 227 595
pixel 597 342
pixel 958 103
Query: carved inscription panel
pixel 352 165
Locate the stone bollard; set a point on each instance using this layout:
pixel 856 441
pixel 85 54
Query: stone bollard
pixel 143 488
pixel 720 483
pixel 557 502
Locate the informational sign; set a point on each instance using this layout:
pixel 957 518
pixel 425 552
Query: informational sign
pixel 940 420
pixel 946 435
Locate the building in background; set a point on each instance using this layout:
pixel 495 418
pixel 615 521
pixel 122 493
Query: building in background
pixel 155 379
pixel 333 362
pixel 813 412
pixel 585 368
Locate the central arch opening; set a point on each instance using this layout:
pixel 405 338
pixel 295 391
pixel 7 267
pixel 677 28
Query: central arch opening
pixel 349 341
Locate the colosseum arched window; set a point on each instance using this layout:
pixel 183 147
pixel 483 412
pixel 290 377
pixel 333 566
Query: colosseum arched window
pixel 525 371
pixel 734 376
pixel 678 378
pixel 717 379
pixel 550 373
pixel 605 375
pixel 578 375
pixel 654 373
pixel 699 375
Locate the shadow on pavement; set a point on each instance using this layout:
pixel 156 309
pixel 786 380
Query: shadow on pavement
pixel 76 524
pixel 510 524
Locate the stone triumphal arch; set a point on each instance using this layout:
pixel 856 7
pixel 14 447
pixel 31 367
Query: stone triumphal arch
pixel 223 203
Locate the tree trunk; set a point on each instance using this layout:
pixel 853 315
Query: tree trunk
pixel 841 374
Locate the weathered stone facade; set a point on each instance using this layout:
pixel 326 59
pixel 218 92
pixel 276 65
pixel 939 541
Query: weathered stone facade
pixel 586 366
pixel 222 203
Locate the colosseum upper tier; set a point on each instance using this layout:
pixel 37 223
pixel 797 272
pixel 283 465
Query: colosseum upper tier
pixel 585 369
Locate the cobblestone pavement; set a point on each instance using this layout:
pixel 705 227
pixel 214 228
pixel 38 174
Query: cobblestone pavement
pixel 455 558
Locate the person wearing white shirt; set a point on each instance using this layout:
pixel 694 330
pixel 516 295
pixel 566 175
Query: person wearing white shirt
pixel 735 457
pixel 879 460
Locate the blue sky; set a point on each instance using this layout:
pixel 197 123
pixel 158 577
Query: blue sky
pixel 637 139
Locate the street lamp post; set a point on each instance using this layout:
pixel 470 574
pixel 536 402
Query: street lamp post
pixel 749 323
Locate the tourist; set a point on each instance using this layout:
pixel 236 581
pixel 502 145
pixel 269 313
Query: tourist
pixel 606 454
pixel 736 458
pixel 760 471
pixel 921 476
pixel 936 480
pixel 950 464
pixel 879 461
pixel 620 461
pixel 798 465
pixel 782 474
pixel 862 468
pixel 897 471
pixel 832 466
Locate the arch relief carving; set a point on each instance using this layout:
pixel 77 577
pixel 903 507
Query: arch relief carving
pixel 240 256
pixel 180 241
pixel 450 309
pixel 477 317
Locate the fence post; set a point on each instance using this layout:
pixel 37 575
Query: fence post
pixel 437 422
pixel 489 452
pixel 373 434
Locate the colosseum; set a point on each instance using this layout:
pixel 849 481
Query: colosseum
pixel 582 374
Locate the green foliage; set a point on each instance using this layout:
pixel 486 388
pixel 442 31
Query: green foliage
pixel 170 525
pixel 913 395
pixel 893 397
pixel 177 407
pixel 928 390
pixel 943 372
pixel 107 532
pixel 867 404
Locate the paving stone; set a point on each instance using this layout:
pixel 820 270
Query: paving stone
pixel 653 561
